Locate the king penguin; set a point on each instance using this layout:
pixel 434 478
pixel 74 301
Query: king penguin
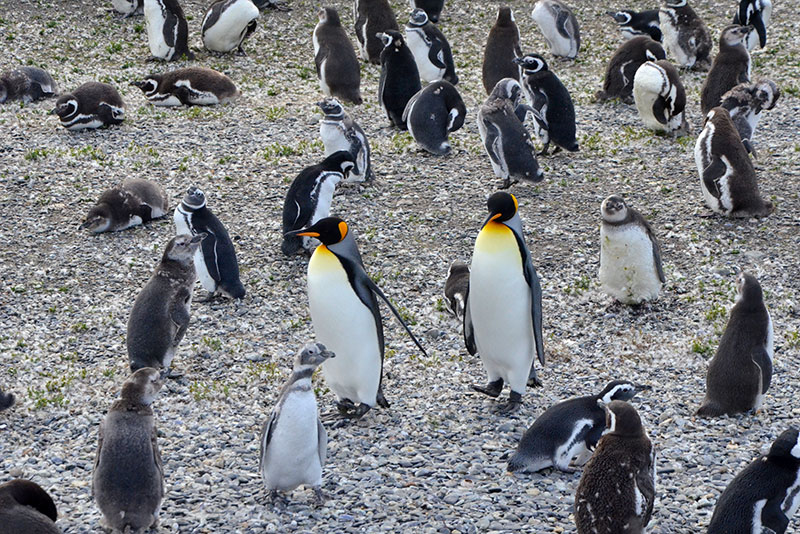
pixel 430 48
pixel 25 507
pixel 559 27
pixel 730 68
pixel 335 59
pixel 167 30
pixel 503 318
pixel 502 47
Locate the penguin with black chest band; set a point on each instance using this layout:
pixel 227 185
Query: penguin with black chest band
pixel 432 114
pixel 337 65
pixel 660 97
pixel 503 318
pixel 339 132
pixel 502 47
pixel 399 80
pixel 27 84
pixel 128 8
pixel 6 400
pixel 633 24
pixel 559 27
pixel 740 372
pixel 433 8
pixel 456 288
pixel 685 35
pixel 568 430
pixel 135 201
pixel 25 507
pixel 167 30
pixel 731 67
pixel 430 48
pixel 727 176
pixel 745 102
pixel 756 13
pixel 192 86
pixel 92 105
pixel 621 69
pixel 342 299
pixel 764 496
pixel 215 260
pixel 227 24
pixel 373 17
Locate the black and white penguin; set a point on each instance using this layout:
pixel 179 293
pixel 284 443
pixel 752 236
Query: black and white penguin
pixel 227 24
pixel 192 86
pixel 6 400
pixel 337 65
pixel 167 30
pixel 559 27
pixel 430 48
pixel 432 7
pixel 754 13
pixel 342 299
pixel 740 372
pixel 128 477
pixel 745 102
pixel 92 105
pixel 731 67
pixel 503 318
pixel 399 77
pixel 456 288
pixel 432 114
pixel 135 201
pixel 215 261
pixel 373 17
pixel 502 47
pixel 25 507
pixel 339 132
pixel 27 84
pixel 633 24
pixel 727 175
pixel 568 430
pixel 553 112
pixel 685 35
pixel 309 198
pixel 617 488
pixel 630 256
pixel 278 5
pixel 161 312
pixel 505 138
pixel 621 69
pixel 660 97
pixel 128 8
pixel 294 443
pixel 764 496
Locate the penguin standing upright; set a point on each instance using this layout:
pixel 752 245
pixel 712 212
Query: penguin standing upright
pixel 25 507
pixel 92 105
pixel 192 86
pixel 730 67
pixel 660 97
pixel 503 319
pixel 339 132
pixel 347 320
pixel 215 261
pixel 502 47
pixel 430 48
pixel 167 30
pixel 456 288
pixel 745 102
pixel 433 8
pixel 633 24
pixel 432 114
pixel 133 202
pixel 559 27
pixel 754 13
pixel 621 69
pixel 373 17
pixel 335 59
pixel 399 77
pixel 227 24
pixel 685 35
pixel 128 8
pixel 27 84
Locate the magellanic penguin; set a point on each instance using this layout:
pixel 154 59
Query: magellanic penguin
pixel 6 400
pixel 25 507
pixel 630 256
pixel 727 175
pixel 685 35
pixel 344 311
pixel 278 5
pixel 430 48
pixel 617 488
pixel 456 288
pixel 754 13
pixel 553 112
pixel 731 67
pixel 432 114
pixel 633 24
pixel 660 97
pixel 27 84
pixel 621 69
pixel 92 105
pixel 309 199
pixel 502 47
pixel 745 102
pixel 192 86
pixel 161 312
pixel 294 443
pixel 764 495
pixel 741 371
pixel 568 430
pixel 337 65
pixel 227 24
pixel 128 8
pixel 433 8
pixel 503 319
pixel 215 260
pixel 128 478
pixel 399 77
pixel 373 17
pixel 339 132
pixel 133 202
pixel 167 30
pixel 559 27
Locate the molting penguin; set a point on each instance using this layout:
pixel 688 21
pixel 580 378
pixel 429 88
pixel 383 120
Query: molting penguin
pixel 131 203
pixel 399 77
pixel 167 30
pixel 339 132
pixel 344 310
pixel 92 105
pixel 630 256
pixel 456 288
pixel 25 507
pixel 741 371
pixel 294 443
pixel 617 489
pixel 433 8
pixel 568 430
pixel 373 17
pixel 764 495
pixel 686 37
pixel 660 97
pixel 621 69
pixel 432 114
pixel 430 48
pixel 192 86
pixel 215 261
pixel 128 478
pixel 730 67
pixel 337 65
pixel 502 46
pixel 632 24
pixel 503 319
pixel 559 27
pixel 727 175
pixel 161 312
pixel 227 24
pixel 128 8
pixel 745 102
pixel 27 84
pixel 6 400
pixel 754 13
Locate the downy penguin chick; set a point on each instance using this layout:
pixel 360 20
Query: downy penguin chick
pixel 135 201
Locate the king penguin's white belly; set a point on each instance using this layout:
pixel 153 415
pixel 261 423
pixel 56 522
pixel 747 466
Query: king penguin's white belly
pixel 627 266
pixel 226 34
pixel 419 47
pixel 155 30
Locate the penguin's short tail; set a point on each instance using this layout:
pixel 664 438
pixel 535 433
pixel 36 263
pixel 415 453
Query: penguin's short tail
pixel 710 409
pixel 573 147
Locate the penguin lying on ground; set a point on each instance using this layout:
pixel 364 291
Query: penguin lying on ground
pixel 632 24
pixel 337 65
pixel 559 27
pixel 227 24
pixel 621 69
pixel 339 132
pixel 167 30
pixel 730 67
pixel 745 102
pixel 399 77
pixel 660 97
pixel 26 508
pixel 92 105
pixel 430 48
pixel 456 288
pixel 754 13
pixel 502 47
pixel 135 201
pixel 373 17
pixel 685 36
pixel 432 114
pixel 192 86
pixel 27 84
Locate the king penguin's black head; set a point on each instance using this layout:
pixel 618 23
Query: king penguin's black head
pixel 502 206
pixel 329 231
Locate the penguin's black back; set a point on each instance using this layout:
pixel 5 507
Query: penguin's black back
pixel 399 81
pixel 551 429
pixel 502 46
pixel 560 111
pixel 217 246
pixel 26 508
pixel 432 32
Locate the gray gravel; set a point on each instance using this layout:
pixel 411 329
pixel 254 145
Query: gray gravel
pixel 434 462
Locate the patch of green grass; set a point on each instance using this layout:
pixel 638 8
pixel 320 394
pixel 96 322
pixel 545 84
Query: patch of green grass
pixel 702 347
pixel 275 112
pixel 264 371
pixel 212 343
pixel 53 393
pixel 792 339
pixel 208 390
pixel 114 47
pixel 578 286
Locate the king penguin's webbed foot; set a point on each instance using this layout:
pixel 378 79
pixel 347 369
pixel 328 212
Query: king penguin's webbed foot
pixel 492 389
pixel 345 406
pixel 533 381
pixel 319 497
pixel 275 499
pixel 513 405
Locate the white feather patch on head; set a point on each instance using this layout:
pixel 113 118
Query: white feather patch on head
pixel 796 449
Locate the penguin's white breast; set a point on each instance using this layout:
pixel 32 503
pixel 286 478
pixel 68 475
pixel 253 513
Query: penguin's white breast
pixel 792 500
pixel 325 192
pixel 226 33
pixel 155 21
pixel 415 39
pixel 627 265
pixel 333 137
